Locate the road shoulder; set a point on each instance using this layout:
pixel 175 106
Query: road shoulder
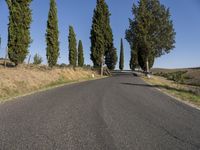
pixel 174 91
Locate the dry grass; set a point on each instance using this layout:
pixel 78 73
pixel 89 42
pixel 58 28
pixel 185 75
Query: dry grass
pixel 26 79
pixel 180 91
pixel 192 74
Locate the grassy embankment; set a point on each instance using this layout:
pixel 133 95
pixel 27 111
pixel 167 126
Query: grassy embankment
pixel 183 84
pixel 26 79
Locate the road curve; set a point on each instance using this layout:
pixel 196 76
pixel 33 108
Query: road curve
pixel 116 113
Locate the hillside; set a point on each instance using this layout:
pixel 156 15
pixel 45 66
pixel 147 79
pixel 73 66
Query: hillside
pixel 191 75
pixel 25 79
pixel 184 84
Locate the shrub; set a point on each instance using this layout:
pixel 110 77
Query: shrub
pixel 37 60
pixel 178 76
pixel 63 65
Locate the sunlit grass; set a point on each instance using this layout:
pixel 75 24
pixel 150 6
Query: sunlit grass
pixel 23 80
pixel 174 89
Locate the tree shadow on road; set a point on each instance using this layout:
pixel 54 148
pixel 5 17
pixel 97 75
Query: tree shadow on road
pixel 160 87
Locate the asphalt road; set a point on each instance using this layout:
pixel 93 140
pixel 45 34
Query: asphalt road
pixel 117 113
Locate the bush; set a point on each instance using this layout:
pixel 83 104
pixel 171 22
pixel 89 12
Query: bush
pixel 178 76
pixel 63 65
pixel 37 60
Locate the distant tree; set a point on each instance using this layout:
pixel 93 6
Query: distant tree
pixel 102 38
pixel 80 54
pixel 37 59
pixel 72 47
pixel 20 18
pixel 52 35
pixel 151 32
pixel 121 61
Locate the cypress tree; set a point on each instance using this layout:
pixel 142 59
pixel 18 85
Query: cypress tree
pixel 151 32
pixel 97 35
pixel 121 61
pixel 20 18
pixel 102 37
pixel 110 50
pixel 80 54
pixel 52 35
pixel 72 47
pixel 131 38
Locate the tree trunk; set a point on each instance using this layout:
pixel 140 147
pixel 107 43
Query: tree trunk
pixel 147 65
pixel 102 65
pixel 147 68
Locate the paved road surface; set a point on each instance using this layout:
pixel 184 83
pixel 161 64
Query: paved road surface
pixel 117 113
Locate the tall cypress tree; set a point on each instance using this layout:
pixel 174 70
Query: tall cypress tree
pixel 80 54
pixel 131 38
pixel 121 61
pixel 97 35
pixel 102 37
pixel 110 50
pixel 52 35
pixel 72 47
pixel 19 39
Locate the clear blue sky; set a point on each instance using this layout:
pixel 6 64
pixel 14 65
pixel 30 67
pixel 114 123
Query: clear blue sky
pixel 185 15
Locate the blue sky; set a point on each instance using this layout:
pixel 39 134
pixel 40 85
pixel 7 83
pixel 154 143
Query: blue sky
pixel 185 15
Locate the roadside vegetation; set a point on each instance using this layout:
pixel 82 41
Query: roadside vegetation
pixel 37 59
pixel 180 83
pixel 151 33
pixel 19 37
pixel 18 78
pixel 24 79
pixel 121 58
pixel 103 50
pixel 188 76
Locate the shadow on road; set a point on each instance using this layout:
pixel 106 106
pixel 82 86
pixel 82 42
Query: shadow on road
pixel 159 86
pixel 124 74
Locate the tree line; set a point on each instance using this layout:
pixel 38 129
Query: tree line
pixel 150 35
pixel 19 39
